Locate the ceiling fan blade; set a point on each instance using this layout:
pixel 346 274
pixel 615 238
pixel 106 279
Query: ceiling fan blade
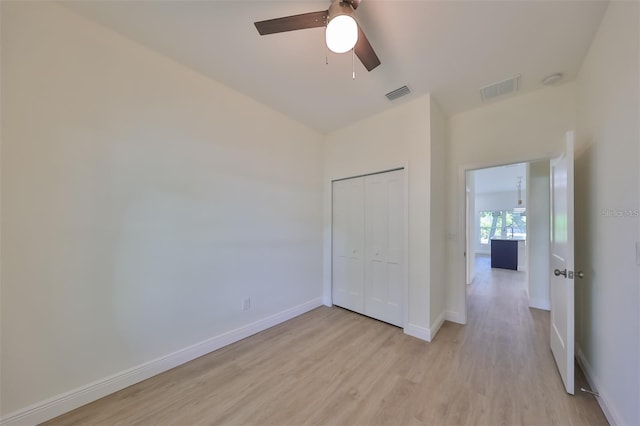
pixel 365 52
pixel 354 3
pixel 292 23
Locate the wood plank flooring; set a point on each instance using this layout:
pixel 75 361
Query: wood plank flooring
pixel 334 367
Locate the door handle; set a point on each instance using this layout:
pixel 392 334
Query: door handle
pixel 558 272
pixel 580 274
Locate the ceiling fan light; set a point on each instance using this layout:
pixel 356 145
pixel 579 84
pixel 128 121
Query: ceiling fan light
pixel 342 33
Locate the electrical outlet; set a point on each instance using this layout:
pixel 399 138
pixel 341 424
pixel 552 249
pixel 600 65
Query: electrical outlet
pixel 246 304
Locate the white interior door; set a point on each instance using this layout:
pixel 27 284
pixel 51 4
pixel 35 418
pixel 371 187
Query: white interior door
pixel 384 247
pixel 348 244
pixel 561 261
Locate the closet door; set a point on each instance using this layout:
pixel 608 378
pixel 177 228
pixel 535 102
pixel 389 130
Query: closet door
pixel 384 247
pixel 348 244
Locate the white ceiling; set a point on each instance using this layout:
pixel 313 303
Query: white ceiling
pixel 500 179
pixel 447 48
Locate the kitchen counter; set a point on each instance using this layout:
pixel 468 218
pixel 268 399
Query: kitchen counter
pixel 504 253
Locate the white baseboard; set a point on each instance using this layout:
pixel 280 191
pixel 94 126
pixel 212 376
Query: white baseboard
pixel 327 301
pixel 435 327
pixel 540 304
pixel 424 333
pixel 456 317
pixel 60 404
pixel 605 403
pixel 418 332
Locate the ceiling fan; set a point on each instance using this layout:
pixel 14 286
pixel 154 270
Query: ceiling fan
pixel 342 33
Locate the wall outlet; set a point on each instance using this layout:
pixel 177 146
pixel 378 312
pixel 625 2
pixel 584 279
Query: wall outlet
pixel 246 304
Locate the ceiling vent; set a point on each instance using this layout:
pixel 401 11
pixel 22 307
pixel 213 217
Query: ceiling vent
pixel 395 94
pixel 500 88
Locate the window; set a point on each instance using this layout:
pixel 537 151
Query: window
pixel 502 224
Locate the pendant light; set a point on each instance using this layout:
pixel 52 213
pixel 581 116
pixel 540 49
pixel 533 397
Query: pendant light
pixel 519 207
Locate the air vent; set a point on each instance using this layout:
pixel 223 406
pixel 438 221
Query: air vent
pixel 395 94
pixel 500 88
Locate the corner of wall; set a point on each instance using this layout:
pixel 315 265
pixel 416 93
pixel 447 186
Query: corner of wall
pixel 453 316
pixel 602 396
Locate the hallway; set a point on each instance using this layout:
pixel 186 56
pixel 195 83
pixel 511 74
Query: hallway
pixel 498 294
pixel 505 353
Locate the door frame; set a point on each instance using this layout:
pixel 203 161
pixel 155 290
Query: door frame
pixel 462 242
pixel 328 284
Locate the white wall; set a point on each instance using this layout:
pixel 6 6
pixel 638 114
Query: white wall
pixel 437 202
pixel 538 234
pixel 503 200
pixel 472 230
pixel 514 130
pixel 399 137
pixel 141 203
pixel 607 178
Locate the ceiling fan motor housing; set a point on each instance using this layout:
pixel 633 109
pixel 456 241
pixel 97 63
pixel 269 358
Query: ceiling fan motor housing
pixel 339 7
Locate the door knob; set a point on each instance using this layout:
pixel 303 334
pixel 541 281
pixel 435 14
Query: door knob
pixel 580 274
pixel 558 272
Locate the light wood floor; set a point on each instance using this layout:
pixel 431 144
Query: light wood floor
pixel 333 367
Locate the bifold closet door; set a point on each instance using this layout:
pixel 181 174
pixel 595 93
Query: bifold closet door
pixel 368 245
pixel 384 247
pixel 348 244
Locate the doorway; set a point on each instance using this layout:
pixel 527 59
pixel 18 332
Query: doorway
pixel 507 207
